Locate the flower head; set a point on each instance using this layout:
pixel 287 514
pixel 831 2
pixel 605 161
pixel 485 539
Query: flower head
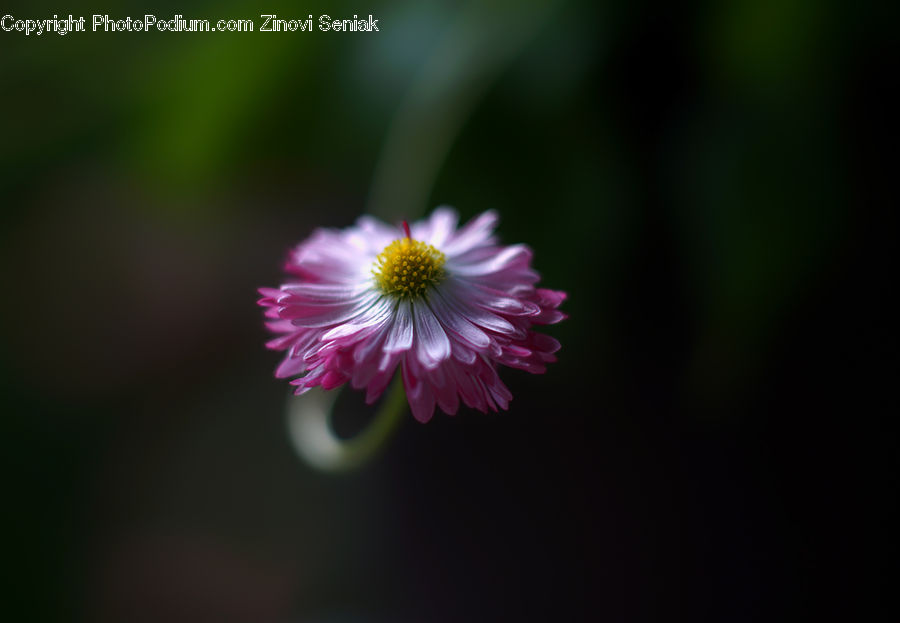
pixel 446 304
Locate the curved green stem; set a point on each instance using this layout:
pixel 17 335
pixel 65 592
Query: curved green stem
pixel 309 423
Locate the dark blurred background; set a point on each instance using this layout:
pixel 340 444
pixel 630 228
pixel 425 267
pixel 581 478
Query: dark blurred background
pixel 712 184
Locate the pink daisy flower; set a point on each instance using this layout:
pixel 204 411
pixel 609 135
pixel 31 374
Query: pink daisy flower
pixel 447 305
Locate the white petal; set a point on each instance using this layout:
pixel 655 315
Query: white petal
pixel 458 324
pixel 475 232
pixel 400 336
pixel 321 292
pixel 508 256
pixel 328 253
pixel 432 345
pixel 437 229
pixel 367 321
pixel 457 300
pixel 378 234
pixel 332 315
pixel 463 353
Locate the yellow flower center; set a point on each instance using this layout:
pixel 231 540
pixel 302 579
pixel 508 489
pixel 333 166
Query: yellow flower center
pixel 407 267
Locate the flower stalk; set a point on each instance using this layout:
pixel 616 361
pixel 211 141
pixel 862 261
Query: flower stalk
pixel 310 425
